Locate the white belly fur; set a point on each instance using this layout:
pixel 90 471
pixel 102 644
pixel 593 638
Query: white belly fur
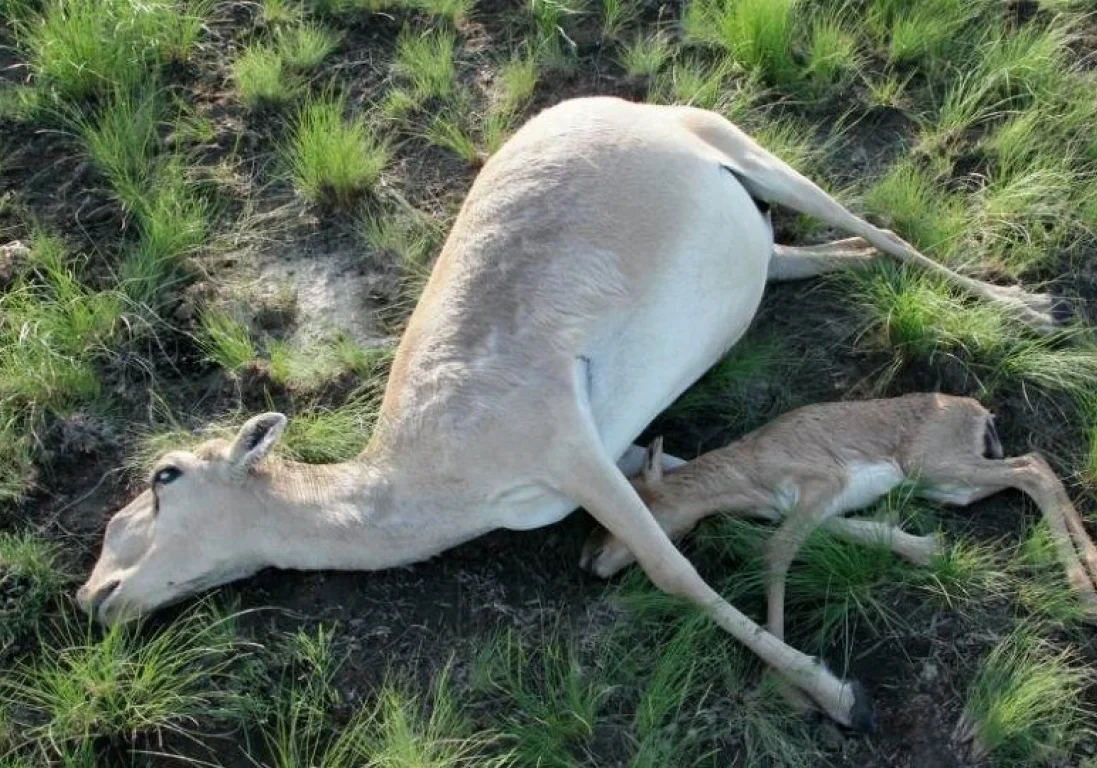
pixel 647 357
pixel 642 363
pixel 866 481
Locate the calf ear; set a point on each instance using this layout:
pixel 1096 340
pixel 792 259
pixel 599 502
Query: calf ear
pixel 254 441
pixel 653 461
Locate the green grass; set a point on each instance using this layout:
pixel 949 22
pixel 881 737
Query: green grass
pixel 123 139
pixel 721 396
pixel 911 201
pixel 29 580
pixel 917 318
pixel 173 222
pixel 280 13
pixel 692 81
pixel 83 47
pixel 261 79
pixel 968 132
pixel 929 30
pixel 1039 582
pixel 552 701
pixel 645 56
pixel 313 366
pixel 446 131
pixel 303 48
pixel 674 671
pixel 325 435
pixel 425 62
pixel 1025 703
pixel 834 589
pixel 334 159
pixel 52 329
pixel 226 341
pixel 409 235
pixel 16 457
pixel 400 727
pixel 832 56
pixel 554 47
pixel 454 12
pixel 616 16
pixel 756 33
pixel 516 81
pixel 120 683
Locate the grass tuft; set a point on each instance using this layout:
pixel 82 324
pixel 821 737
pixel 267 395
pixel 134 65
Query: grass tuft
pixel 86 686
pixel 616 16
pixel 832 55
pixel 552 701
pixel 1024 705
pixel 334 160
pixel 261 77
pixel 645 56
pixel 29 580
pixel 917 317
pixel 454 12
pixel 84 47
pixel 400 728
pixel 122 140
pixel 446 131
pixel 755 33
pixel 425 62
pixel 172 222
pixel 303 48
pixel 226 341
pixel 912 202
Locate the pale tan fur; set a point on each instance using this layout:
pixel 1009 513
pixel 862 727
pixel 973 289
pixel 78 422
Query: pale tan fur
pixel 796 468
pixel 605 257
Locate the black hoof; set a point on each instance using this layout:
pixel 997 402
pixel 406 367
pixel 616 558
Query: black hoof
pixel 1062 312
pixel 863 716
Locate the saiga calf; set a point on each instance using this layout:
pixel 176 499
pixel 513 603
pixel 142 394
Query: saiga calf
pixel 814 464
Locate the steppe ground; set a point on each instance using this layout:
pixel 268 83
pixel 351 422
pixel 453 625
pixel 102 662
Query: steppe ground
pixel 208 209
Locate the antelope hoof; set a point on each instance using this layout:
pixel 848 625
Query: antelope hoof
pixel 862 716
pixel 852 707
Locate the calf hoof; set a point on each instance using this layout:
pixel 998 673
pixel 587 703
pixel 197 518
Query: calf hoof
pixel 927 549
pixel 603 555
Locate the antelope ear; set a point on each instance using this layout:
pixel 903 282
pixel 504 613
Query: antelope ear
pixel 254 441
pixel 653 461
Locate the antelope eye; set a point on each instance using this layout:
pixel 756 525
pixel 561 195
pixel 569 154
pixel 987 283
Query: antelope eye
pixel 166 475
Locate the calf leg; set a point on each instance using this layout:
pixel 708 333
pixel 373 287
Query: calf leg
pixel 815 506
pixel 963 482
pixel 919 550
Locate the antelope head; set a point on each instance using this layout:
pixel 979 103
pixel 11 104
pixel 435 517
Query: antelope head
pixel 194 527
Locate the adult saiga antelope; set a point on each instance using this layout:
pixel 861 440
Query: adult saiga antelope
pixel 812 465
pixel 605 257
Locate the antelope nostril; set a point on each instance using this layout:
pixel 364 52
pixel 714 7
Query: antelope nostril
pixel 102 594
